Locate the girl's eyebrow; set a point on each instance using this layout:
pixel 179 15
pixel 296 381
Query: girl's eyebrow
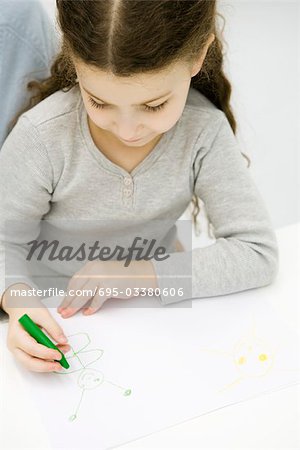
pixel 147 101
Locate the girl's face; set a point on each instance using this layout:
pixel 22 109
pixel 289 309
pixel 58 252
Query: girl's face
pixel 138 108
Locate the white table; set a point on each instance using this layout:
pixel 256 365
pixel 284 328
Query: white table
pixel 269 421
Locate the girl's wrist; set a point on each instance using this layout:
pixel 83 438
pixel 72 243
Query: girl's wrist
pixel 6 303
pixel 144 274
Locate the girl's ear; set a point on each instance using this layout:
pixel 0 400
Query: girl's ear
pixel 198 64
pixel 212 37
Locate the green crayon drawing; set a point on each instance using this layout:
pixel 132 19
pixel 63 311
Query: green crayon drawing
pixel 89 378
pixel 252 356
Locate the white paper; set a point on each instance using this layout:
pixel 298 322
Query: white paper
pixel 134 371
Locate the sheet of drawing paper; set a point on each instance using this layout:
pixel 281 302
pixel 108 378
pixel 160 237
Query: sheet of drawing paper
pixel 137 370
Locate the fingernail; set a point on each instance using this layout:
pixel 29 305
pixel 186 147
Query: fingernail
pixel 66 350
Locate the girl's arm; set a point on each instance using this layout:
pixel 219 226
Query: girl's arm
pixel 25 195
pixel 245 254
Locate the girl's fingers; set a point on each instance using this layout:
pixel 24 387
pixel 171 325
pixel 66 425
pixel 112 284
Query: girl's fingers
pixel 73 303
pixel 71 296
pixel 36 364
pixel 70 311
pixel 64 348
pixel 96 304
pixel 66 301
pixel 78 302
pixel 33 348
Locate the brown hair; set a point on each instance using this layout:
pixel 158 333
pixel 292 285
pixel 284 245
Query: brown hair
pixel 128 37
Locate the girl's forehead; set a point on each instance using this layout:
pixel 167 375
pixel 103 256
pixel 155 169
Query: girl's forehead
pixel 144 89
pixel 170 74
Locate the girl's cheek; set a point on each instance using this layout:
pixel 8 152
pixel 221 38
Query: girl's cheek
pixel 97 118
pixel 166 122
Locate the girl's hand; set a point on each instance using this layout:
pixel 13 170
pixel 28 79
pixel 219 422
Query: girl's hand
pixel 101 280
pixel 34 356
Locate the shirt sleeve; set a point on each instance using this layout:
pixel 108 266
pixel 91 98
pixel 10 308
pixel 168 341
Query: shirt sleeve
pixel 245 253
pixel 25 195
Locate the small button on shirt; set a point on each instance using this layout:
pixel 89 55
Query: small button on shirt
pixel 127 181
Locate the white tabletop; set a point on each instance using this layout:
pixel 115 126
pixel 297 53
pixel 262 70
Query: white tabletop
pixel 269 421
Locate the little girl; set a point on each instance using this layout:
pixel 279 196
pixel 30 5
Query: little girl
pixel 133 124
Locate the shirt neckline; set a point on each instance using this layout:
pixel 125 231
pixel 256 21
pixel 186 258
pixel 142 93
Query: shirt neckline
pixel 105 162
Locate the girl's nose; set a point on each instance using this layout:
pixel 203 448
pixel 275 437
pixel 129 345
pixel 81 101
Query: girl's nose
pixel 127 128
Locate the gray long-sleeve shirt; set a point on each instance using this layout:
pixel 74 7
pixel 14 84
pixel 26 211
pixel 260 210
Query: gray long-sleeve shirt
pixel 51 169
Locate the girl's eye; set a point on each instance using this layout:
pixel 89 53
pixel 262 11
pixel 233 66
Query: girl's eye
pixel 155 108
pixel 147 108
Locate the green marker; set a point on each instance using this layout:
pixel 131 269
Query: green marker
pixel 40 337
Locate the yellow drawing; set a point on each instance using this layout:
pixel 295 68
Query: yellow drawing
pixel 252 356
